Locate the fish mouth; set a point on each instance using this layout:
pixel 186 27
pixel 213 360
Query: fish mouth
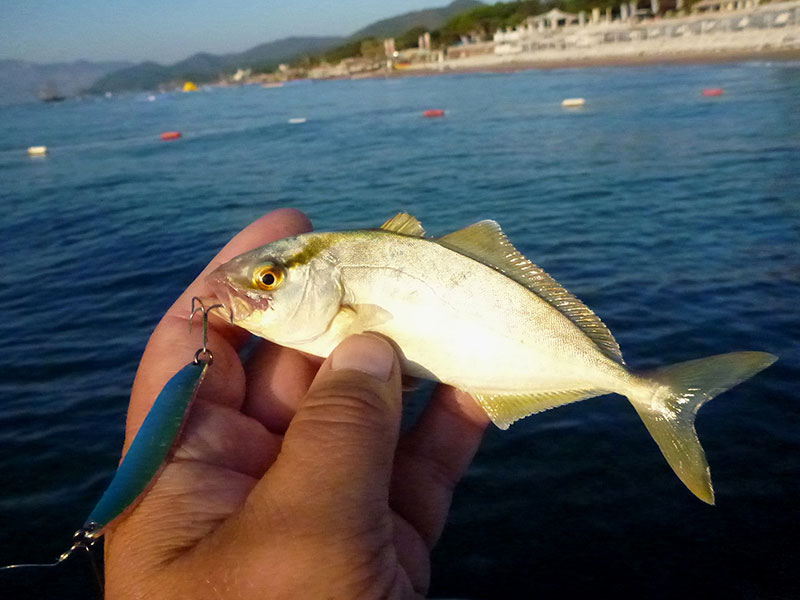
pixel 236 302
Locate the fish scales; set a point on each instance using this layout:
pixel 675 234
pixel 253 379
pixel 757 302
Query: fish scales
pixel 473 314
pixel 469 310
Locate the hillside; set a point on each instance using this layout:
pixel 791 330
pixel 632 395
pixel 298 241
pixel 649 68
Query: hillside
pixel 432 18
pixel 23 81
pixel 203 67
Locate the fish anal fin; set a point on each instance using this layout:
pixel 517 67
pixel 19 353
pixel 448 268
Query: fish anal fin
pixel 405 224
pixel 503 409
pixel 485 242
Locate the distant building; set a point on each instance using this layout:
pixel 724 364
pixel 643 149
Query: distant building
pixel 552 19
pixel 424 41
pixel 463 50
pixel 242 75
pixel 723 5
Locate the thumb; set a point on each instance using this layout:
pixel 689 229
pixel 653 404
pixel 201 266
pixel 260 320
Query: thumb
pixel 341 442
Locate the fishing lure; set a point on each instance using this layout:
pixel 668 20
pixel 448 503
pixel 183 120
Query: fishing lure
pixel 150 449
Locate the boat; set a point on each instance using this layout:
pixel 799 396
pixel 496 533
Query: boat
pixel 49 93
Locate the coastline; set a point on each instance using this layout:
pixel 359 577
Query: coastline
pixel 599 60
pixel 751 32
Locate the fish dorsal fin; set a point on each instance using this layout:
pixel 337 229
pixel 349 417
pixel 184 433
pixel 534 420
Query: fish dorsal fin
pixel 485 242
pixel 504 409
pixel 404 223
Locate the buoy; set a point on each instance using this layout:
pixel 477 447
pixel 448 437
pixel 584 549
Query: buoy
pixel 573 102
pixel 433 113
pixel 189 86
pixel 151 98
pixel 712 92
pixel 170 135
pixel 296 120
pixel 37 150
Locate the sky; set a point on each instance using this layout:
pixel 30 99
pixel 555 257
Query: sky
pixel 167 31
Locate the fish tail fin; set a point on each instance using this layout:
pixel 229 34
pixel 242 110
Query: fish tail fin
pixel 669 405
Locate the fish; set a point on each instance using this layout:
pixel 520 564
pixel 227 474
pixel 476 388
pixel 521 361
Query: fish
pixel 469 310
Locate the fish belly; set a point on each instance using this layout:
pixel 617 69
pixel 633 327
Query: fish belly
pixel 520 358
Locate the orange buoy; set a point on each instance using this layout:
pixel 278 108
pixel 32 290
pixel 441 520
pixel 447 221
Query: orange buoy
pixel 433 112
pixel 712 92
pixel 170 135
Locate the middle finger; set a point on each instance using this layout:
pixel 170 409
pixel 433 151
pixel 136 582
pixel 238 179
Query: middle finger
pixel 277 379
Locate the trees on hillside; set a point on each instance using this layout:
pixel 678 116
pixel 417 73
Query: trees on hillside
pixel 482 22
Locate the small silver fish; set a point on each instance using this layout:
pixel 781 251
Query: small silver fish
pixel 467 309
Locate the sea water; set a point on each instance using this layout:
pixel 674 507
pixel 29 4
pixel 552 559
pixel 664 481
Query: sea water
pixel 675 216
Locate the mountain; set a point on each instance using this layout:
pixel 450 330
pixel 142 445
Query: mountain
pixel 432 18
pixel 203 67
pixel 23 81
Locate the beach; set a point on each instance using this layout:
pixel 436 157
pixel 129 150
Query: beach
pixel 580 60
pixel 769 32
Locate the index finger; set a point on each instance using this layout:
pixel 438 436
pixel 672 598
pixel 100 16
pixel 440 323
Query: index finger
pixel 171 347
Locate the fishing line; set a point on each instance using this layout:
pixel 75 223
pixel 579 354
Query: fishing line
pixel 83 539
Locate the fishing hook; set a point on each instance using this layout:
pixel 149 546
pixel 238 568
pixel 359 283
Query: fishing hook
pixel 204 354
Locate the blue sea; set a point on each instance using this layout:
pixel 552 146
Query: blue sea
pixel 675 216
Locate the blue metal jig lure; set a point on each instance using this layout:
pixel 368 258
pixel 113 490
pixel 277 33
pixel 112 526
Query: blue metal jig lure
pixel 150 449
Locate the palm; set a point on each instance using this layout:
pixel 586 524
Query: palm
pixel 233 513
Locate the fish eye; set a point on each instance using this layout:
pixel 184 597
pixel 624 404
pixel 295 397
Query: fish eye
pixel 268 277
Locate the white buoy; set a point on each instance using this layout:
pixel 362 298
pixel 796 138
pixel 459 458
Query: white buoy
pixel 296 120
pixel 37 150
pixel 573 102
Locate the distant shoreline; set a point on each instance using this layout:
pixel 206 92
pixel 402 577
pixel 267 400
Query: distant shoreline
pixel 750 32
pixel 672 58
pixel 584 62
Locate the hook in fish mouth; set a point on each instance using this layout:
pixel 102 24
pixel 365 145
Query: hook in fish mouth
pixel 199 306
pixel 238 304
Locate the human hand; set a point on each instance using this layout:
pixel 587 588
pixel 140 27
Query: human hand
pixel 291 480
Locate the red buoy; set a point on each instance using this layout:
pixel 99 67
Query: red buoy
pixel 712 92
pixel 170 135
pixel 433 112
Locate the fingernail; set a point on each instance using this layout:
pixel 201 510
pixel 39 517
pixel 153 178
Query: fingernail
pixel 366 353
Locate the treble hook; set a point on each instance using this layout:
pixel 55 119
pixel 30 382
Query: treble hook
pixel 204 354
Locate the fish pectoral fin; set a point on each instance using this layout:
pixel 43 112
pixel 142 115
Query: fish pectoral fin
pixel 503 409
pixel 364 317
pixel 405 224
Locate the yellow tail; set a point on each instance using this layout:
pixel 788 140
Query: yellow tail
pixel 670 410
